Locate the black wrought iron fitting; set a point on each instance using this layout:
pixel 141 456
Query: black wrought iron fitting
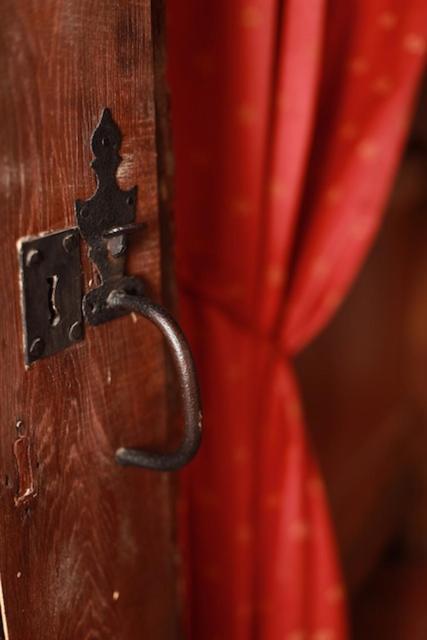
pixel 187 381
pixel 50 279
pixel 104 222
pixel 49 274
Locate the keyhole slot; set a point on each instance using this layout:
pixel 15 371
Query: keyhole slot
pixel 54 315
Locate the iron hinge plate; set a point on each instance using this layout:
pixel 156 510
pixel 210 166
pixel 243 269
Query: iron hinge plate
pixel 51 293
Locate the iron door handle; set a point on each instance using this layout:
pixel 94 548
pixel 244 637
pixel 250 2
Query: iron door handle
pixel 189 390
pixel 104 221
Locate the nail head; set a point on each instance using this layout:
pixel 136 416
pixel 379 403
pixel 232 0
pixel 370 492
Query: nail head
pixel 76 331
pixel 70 242
pixel 37 347
pixel 34 256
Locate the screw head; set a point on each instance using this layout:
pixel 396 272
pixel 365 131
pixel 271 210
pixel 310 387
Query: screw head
pixel 117 246
pixel 37 347
pixel 75 332
pixel 84 211
pixel 19 426
pixel 70 242
pixel 34 256
pixel 91 307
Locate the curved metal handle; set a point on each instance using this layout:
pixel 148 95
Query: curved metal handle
pixel 187 381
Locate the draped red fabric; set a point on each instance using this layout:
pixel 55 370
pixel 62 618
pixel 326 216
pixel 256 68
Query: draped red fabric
pixel 288 122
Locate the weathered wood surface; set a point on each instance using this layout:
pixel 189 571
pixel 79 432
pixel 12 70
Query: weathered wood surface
pixel 88 554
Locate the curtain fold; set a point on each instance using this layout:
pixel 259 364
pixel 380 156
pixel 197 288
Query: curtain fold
pixel 288 123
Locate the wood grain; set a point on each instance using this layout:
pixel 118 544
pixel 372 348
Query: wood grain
pixel 89 555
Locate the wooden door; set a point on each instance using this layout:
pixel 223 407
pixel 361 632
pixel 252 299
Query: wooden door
pixel 86 547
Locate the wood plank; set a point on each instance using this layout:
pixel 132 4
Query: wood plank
pixel 89 554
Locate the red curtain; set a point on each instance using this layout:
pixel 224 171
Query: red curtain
pixel 288 122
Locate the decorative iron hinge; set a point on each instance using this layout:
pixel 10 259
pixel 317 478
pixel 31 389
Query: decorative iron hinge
pixel 104 221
